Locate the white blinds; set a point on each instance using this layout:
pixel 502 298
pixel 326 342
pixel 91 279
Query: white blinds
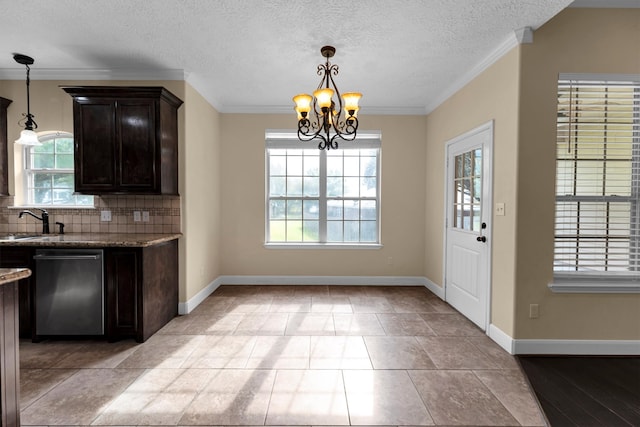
pixel 598 176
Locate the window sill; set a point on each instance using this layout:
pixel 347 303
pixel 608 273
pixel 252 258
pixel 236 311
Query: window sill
pixel 593 285
pixel 322 246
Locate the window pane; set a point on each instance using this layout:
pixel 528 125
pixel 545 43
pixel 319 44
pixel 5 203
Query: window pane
pixel 294 186
pixel 311 209
pixel 351 187
pixel 334 166
pixel 277 209
pixel 64 145
pixel 277 165
pixel 277 186
pixel 351 166
pixel 43 161
pixel 351 209
pixel 334 187
pixel 294 209
pixel 334 231
pixel 368 210
pixel 311 186
pixel 277 231
pixel 311 165
pixel 311 231
pixel 334 209
pixel 369 231
pixel 42 180
pixel 64 161
pixel 294 165
pixel 294 231
pixel 351 231
pixel 63 180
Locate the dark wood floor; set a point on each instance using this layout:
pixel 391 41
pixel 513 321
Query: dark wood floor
pixel 586 391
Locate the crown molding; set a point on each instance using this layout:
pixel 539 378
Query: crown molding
pixel 606 4
pixel 279 109
pixel 91 74
pixel 520 36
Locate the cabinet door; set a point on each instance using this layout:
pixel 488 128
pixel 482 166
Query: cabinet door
pixel 95 154
pixel 137 145
pixel 123 274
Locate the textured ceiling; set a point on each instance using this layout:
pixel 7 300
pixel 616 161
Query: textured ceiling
pixel 253 56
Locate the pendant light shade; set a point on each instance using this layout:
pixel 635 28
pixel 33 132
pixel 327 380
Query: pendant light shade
pixel 27 136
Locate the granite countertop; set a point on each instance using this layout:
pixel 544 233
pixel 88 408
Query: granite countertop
pixel 88 240
pixel 8 275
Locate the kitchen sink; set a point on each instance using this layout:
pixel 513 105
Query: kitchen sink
pixel 18 236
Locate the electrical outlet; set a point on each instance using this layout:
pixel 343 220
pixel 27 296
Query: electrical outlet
pixel 105 216
pixel 136 216
pixel 533 311
pixel 145 216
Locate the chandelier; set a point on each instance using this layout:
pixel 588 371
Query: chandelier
pixel 27 136
pixel 318 116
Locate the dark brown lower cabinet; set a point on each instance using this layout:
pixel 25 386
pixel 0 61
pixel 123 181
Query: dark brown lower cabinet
pixel 142 290
pixel 9 356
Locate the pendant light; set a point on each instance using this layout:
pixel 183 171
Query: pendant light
pixel 27 136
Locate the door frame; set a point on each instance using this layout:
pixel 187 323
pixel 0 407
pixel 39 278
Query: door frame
pixel 487 193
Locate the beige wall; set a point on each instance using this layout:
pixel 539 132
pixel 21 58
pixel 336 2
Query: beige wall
pixel 575 41
pixel 491 96
pixel 243 203
pixel 200 180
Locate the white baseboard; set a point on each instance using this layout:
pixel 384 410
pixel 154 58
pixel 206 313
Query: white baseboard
pixel 501 338
pixel 578 347
pixel 564 347
pixel 187 307
pixel 325 280
pixel 437 290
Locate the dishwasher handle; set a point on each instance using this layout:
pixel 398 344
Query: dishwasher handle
pixel 66 257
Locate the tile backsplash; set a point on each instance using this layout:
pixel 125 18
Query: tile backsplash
pixel 164 216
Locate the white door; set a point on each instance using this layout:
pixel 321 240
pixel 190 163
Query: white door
pixel 468 223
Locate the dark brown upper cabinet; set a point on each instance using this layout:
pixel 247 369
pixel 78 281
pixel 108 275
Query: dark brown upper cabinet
pixel 4 162
pixel 126 139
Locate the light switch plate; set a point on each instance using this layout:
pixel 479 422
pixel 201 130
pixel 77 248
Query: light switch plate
pixel 145 216
pixel 105 216
pixel 136 216
pixel 499 209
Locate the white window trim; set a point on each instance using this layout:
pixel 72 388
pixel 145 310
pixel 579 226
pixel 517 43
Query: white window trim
pixel 596 283
pixel 26 157
pixel 278 138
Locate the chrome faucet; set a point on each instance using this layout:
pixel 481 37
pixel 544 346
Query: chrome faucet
pixel 44 219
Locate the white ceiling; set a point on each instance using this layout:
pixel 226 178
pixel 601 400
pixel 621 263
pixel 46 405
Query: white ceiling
pixel 405 56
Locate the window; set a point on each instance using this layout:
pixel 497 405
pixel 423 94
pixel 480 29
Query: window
pixel 597 228
pixel 49 172
pixel 322 197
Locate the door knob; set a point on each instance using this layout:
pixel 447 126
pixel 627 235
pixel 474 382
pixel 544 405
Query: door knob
pixel 481 239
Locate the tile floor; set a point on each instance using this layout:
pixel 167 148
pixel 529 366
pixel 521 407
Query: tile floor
pixel 283 356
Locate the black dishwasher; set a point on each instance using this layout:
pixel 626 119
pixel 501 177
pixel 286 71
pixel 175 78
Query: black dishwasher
pixel 69 292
